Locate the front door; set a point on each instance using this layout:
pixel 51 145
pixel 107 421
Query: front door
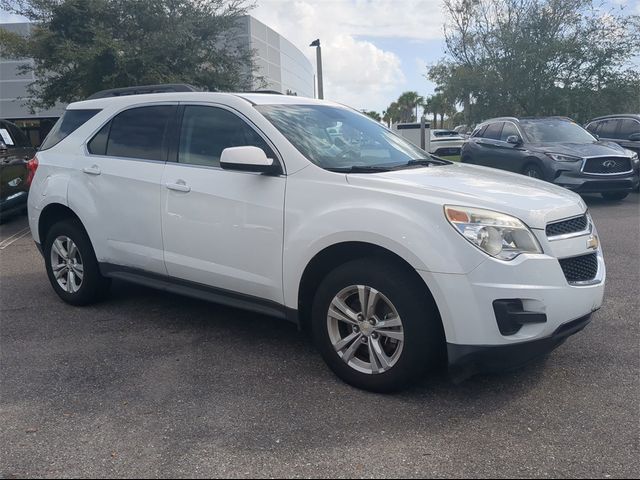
pixel 221 228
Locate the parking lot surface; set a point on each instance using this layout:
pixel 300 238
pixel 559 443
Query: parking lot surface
pixel 148 384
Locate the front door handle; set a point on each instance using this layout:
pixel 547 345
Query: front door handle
pixel 93 170
pixel 179 186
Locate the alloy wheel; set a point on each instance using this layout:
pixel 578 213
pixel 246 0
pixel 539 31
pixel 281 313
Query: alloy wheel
pixel 365 329
pixel 66 264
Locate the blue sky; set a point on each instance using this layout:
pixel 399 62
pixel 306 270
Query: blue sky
pixel 373 50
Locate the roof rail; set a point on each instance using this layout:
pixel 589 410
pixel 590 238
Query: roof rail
pixel 139 90
pixel 269 92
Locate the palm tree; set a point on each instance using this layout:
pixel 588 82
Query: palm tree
pixel 407 104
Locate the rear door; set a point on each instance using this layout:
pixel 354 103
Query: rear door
pixel 118 190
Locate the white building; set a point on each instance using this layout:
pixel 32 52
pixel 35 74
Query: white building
pixel 281 65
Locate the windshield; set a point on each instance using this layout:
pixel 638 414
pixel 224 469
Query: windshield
pixel 555 131
pixel 339 138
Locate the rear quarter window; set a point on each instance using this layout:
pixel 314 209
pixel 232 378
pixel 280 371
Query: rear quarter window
pixel 70 121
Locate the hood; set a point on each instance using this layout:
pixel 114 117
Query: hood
pixel 596 149
pixel 533 201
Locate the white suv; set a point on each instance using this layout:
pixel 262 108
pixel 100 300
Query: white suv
pixel 394 260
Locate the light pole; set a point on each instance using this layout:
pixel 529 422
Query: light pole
pixel 316 44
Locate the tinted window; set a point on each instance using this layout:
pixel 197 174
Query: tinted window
pixel 19 138
pixel 553 130
pixel 207 131
pixel 509 130
pixel 627 128
pixel 139 133
pixel 607 128
pixel 70 121
pixel 493 131
pixel 98 144
pixel 479 131
pixel 593 127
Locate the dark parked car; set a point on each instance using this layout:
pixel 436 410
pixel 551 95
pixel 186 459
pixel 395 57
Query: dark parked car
pixel 15 171
pixel 555 149
pixel 621 129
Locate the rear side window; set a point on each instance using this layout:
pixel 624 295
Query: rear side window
pixel 70 121
pixel 135 133
pixel 627 128
pixel 493 131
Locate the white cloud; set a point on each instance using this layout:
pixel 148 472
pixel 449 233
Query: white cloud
pixel 356 71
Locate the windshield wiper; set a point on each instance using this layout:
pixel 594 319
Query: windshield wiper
pixel 360 169
pixel 426 162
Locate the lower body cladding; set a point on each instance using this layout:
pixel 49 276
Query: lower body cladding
pixel 503 315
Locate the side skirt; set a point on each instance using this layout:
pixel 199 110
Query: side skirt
pixel 199 291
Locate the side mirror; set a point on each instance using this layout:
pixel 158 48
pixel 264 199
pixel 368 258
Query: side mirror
pixel 634 137
pixel 248 159
pixel 514 140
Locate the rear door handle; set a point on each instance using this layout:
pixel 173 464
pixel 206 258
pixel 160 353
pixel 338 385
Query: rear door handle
pixel 93 170
pixel 179 186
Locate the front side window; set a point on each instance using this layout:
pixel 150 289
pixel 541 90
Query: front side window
pixel 136 133
pixel 207 131
pixel 509 130
pixel 607 128
pixel 70 121
pixel 339 138
pixel 553 130
pixel 493 131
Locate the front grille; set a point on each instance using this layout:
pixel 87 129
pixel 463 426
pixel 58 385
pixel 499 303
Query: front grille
pixel 607 165
pixel 580 269
pixel 565 227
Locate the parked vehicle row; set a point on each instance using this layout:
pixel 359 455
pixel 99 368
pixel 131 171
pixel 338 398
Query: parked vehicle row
pixel 557 150
pixel 395 260
pixel 15 174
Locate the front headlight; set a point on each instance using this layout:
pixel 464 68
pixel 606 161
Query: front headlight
pixel 564 158
pixel 633 155
pixel 499 235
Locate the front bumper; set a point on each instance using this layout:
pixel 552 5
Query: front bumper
pixel 14 203
pixel 468 360
pixel 570 176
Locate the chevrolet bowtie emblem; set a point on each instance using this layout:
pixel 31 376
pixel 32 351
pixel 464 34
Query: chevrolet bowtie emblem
pixel 593 242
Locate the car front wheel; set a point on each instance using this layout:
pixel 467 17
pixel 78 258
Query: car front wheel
pixel 376 326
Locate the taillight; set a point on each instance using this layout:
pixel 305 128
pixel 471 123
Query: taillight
pixel 32 166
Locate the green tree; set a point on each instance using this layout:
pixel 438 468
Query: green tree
pixel 82 46
pixel 404 109
pixel 539 57
pixel 373 114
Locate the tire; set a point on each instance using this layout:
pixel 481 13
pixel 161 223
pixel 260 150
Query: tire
pixel 423 343
pixel 614 196
pixel 533 171
pixel 87 283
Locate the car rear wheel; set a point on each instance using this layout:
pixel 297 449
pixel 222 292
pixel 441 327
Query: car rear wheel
pixel 614 196
pixel 71 264
pixel 376 326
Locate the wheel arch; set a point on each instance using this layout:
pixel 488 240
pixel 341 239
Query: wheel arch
pixel 329 258
pixel 52 214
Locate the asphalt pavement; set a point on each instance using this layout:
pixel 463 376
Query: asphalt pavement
pixel 148 384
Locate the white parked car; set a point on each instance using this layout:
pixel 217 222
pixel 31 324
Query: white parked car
pixel 393 259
